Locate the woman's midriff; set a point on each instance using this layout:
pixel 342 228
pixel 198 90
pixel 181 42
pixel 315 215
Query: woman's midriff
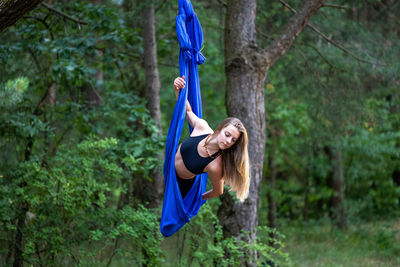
pixel 180 167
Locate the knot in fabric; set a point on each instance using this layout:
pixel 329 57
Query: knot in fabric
pixel 189 17
pixel 200 58
pixel 185 7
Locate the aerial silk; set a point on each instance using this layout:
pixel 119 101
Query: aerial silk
pixel 177 211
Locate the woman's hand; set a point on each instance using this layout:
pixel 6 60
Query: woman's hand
pixel 179 83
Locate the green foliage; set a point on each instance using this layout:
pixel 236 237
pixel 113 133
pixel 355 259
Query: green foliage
pixel 13 92
pixel 370 152
pixel 72 209
pixel 68 165
pixel 134 233
pixel 201 242
pixel 319 98
pixel 73 196
pixel 372 157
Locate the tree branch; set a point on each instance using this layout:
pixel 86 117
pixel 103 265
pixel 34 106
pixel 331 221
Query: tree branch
pixel 295 25
pixel 160 6
pixel 342 48
pixel 114 251
pixel 12 11
pixel 35 59
pixel 43 21
pixel 334 6
pixel 121 73
pixel 263 34
pixel 49 7
pixel 223 3
pixel 322 56
pixel 303 44
pixel 326 38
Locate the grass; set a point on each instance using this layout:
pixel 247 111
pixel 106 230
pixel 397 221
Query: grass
pixel 312 243
pixel 362 244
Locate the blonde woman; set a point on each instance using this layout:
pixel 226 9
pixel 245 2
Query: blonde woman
pixel 221 153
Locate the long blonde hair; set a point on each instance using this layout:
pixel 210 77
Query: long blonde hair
pixel 235 160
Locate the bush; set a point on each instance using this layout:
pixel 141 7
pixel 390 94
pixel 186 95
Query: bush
pixel 73 217
pixel 201 242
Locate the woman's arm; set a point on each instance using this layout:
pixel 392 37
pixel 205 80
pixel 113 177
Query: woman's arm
pixel 217 183
pixel 193 120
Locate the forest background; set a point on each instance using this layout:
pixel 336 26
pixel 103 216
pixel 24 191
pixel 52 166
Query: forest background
pixel 86 99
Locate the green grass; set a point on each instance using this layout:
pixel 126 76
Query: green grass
pixel 311 244
pixel 362 244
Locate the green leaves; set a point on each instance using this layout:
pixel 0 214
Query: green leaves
pixel 68 162
pixel 202 242
pixel 12 92
pixel 71 202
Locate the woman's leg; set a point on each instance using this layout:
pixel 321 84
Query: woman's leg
pixel 185 185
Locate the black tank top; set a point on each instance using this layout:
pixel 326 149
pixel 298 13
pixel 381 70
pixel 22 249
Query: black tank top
pixel 190 156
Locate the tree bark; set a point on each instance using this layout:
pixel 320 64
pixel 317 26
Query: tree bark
pixel 91 96
pixel 245 71
pixel 12 10
pixel 246 68
pixel 151 64
pixel 396 178
pixel 272 221
pixel 51 101
pixel 152 93
pixel 336 183
pixel 18 246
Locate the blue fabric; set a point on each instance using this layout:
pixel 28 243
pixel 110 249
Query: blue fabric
pixel 177 211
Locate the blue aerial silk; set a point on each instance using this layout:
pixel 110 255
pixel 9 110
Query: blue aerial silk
pixel 177 211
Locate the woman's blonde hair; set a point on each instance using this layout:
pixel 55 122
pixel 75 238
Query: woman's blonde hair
pixel 235 160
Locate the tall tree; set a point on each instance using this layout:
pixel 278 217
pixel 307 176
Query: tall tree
pixel 151 63
pixel 246 67
pixel 153 193
pixel 16 249
pixel 335 181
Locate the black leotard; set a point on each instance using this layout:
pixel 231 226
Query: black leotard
pixel 190 156
pixel 193 161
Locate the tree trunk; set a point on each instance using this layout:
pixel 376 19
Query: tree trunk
pixel 246 67
pixel 151 64
pixel 91 96
pixel 12 10
pixel 18 246
pixel 51 102
pixel 396 178
pixel 272 221
pixel 245 72
pixel 152 93
pixel 23 208
pixel 336 183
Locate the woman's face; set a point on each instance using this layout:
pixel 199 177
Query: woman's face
pixel 228 136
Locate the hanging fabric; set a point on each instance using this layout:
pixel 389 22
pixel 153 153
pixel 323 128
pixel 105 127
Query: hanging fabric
pixel 177 211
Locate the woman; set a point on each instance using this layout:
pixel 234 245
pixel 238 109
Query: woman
pixel 221 153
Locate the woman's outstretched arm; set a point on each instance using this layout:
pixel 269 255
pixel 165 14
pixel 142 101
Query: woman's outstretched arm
pixel 179 83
